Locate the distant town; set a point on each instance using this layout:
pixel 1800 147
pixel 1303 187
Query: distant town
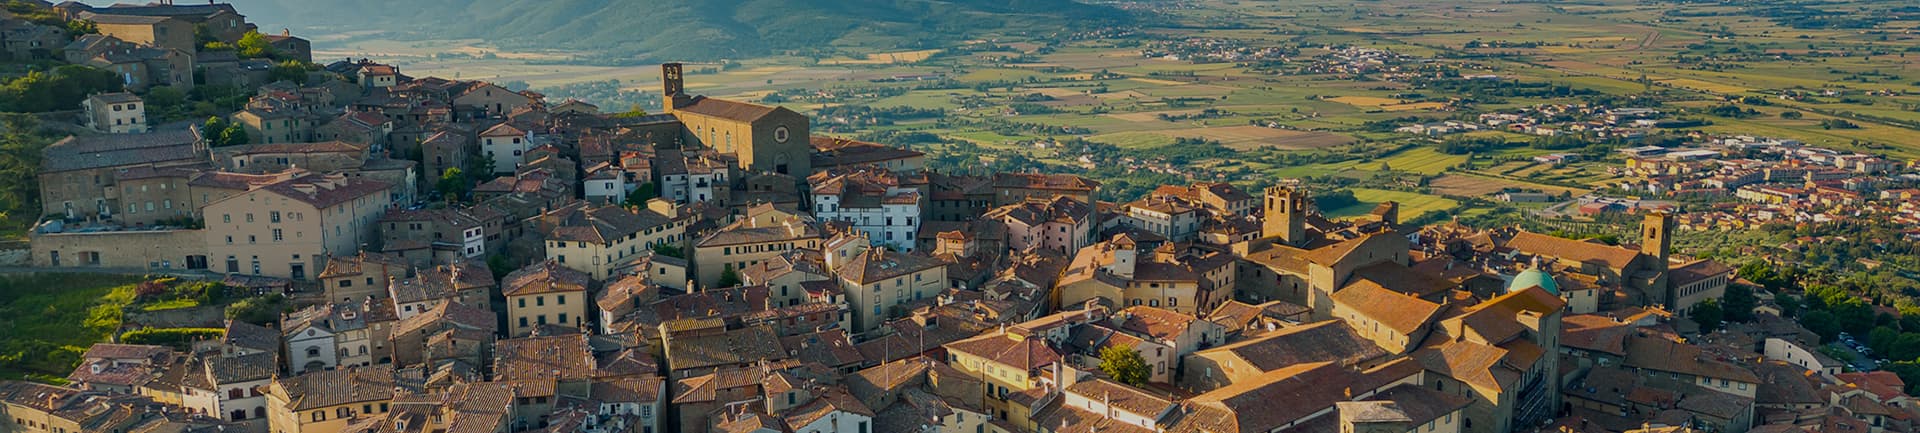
pixel 361 250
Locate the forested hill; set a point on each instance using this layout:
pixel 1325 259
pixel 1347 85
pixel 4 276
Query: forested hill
pixel 693 30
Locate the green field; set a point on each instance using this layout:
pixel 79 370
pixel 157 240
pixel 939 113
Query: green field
pixel 48 320
pixel 1412 204
pixel 1108 91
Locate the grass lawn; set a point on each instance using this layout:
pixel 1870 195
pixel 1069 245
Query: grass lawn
pixel 47 321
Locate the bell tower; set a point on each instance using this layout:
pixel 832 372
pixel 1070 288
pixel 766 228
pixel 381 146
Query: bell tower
pixel 1656 236
pixel 1286 216
pixel 673 87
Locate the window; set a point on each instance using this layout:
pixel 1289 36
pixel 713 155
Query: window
pixel 226 218
pixel 274 217
pixel 249 217
pixel 319 415
pixel 277 236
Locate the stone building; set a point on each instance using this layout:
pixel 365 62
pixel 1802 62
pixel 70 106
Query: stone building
pixel 766 139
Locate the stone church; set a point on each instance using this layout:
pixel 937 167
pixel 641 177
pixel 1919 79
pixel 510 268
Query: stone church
pixel 766 139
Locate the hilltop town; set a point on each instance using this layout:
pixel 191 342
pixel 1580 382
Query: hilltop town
pixel 357 249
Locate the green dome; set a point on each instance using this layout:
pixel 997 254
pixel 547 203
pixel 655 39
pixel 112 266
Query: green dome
pixel 1532 277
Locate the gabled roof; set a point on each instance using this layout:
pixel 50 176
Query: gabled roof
pixel 727 109
pixel 113 150
pixel 1579 251
pixel 328 388
pixel 503 130
pixel 545 277
pixel 1008 349
pixel 1403 313
pixel 1660 354
pixel 876 265
pixel 1332 341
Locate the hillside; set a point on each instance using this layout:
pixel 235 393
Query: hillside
pixel 644 30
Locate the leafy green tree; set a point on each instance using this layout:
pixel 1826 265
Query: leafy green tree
pixel 1821 323
pixel 670 251
pixel 289 70
pixel 234 135
pixel 728 278
pixel 453 184
pixel 1907 346
pixel 1882 339
pixel 82 27
pixel 259 310
pixel 499 265
pixel 20 145
pixel 1739 303
pixel 255 45
pixel 636 111
pixel 59 89
pixel 1790 115
pixel 1789 305
pixel 1709 315
pixel 1124 365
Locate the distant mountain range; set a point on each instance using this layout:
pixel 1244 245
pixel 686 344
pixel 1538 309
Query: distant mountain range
pixel 652 30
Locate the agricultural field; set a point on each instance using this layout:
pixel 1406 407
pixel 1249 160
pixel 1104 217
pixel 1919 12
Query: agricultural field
pixel 1308 111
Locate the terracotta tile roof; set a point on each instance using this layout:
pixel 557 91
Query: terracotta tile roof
pixel 726 109
pixel 325 191
pixel 558 357
pixel 242 368
pixel 825 402
pixel 1664 355
pixel 831 348
pixel 602 225
pixel 545 277
pixel 1697 270
pixel 877 265
pixel 315 147
pixel 1155 322
pixel 1036 211
pixel 114 351
pixel 1596 333
pixel 327 388
pixel 1496 320
pixel 747 231
pixel 1579 251
pixel 1325 341
pixel 448 315
pixel 1881 383
pixel 1062 182
pixel 1336 253
pixel 636 389
pixel 1006 349
pixel 733 347
pixel 114 150
pixel 1279 397
pixel 1126 398
pixel 1476 364
pixel 357 264
pixel 251 336
pixel 830 152
pixel 1403 313
pixel 503 130
pixel 1403 279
